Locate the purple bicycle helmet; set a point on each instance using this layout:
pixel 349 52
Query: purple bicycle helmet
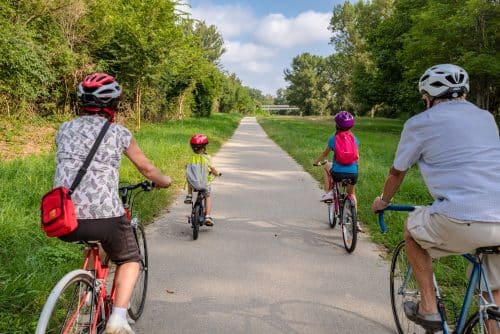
pixel 344 120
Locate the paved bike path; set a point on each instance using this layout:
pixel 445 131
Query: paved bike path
pixel 271 264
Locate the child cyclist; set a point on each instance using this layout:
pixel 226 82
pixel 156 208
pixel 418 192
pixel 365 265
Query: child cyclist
pixel 199 144
pixel 344 164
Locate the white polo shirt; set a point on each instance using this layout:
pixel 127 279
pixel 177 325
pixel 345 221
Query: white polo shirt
pixel 457 147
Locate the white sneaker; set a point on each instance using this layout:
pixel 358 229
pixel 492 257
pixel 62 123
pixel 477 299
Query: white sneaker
pixel 327 196
pixel 118 325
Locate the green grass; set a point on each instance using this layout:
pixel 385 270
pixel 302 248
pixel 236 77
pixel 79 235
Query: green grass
pixel 305 138
pixel 32 263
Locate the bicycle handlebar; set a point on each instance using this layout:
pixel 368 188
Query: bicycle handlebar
pixel 391 207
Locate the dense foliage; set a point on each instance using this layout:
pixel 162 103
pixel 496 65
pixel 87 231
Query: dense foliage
pixel 383 46
pixel 167 62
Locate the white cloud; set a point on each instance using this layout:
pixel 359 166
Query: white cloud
pixel 307 28
pixel 230 20
pixel 259 48
pixel 249 57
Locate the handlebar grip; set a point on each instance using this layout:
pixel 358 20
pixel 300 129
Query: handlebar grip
pixel 381 222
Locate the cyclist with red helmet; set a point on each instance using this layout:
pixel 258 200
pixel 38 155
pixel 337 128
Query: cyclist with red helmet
pixel 344 165
pixel 199 144
pixel 99 210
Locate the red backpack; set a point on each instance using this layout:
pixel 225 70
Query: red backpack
pixel 346 149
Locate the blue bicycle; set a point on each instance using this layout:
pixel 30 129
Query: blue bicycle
pixel 403 287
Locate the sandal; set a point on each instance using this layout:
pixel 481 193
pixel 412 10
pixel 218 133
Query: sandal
pixel 430 322
pixel 188 199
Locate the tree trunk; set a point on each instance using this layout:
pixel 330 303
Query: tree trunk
pixel 137 105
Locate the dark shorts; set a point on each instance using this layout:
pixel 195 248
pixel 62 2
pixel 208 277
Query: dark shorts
pixel 338 177
pixel 115 234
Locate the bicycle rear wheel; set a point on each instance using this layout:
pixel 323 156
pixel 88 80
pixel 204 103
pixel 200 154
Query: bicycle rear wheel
pixel 71 306
pixel 332 219
pixel 473 325
pixel 138 298
pixel 197 215
pixel 349 226
pixel 403 287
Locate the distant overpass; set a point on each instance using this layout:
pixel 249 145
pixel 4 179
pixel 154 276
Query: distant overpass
pixel 279 108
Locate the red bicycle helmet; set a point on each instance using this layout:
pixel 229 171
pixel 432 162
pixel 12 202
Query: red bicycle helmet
pixel 199 139
pixel 100 92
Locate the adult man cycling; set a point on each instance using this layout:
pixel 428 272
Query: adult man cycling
pixel 457 148
pixel 99 210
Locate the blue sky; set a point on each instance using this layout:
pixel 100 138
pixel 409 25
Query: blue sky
pixel 262 37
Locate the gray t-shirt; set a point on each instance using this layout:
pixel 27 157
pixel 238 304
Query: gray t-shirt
pixel 457 148
pixel 97 194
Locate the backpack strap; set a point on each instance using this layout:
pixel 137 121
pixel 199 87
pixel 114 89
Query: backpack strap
pixel 83 170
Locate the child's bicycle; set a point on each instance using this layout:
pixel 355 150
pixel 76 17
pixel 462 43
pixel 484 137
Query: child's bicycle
pixel 81 302
pixel 403 288
pixel 342 211
pixel 197 217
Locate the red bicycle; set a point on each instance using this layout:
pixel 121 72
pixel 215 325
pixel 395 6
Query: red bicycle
pixel 342 210
pixel 82 300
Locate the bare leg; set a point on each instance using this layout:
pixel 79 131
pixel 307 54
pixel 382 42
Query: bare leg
pixel 351 192
pixel 326 176
pixel 125 278
pixel 208 205
pixel 421 263
pixel 492 325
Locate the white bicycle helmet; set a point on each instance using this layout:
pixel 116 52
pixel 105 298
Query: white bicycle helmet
pixel 444 80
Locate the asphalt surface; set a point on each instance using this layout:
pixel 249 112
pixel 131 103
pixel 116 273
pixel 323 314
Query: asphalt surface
pixel 271 264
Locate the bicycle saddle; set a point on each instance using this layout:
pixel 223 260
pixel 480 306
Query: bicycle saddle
pixel 488 250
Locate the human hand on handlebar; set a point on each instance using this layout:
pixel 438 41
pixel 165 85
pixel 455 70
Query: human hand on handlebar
pixel 165 182
pixel 379 204
pixel 320 163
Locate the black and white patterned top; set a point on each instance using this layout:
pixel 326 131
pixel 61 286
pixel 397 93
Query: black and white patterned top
pixel 97 194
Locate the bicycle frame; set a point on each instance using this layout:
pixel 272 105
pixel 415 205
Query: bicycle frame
pixel 476 279
pixel 86 302
pixel 101 269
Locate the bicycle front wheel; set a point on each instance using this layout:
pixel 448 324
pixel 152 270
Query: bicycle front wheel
pixel 403 287
pixel 138 298
pixel 197 215
pixel 473 325
pixel 349 225
pixel 71 306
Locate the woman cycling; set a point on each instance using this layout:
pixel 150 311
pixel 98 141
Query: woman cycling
pixel 99 210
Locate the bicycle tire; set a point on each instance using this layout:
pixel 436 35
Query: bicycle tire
pixel 473 326
pixel 68 307
pixel 403 286
pixel 138 298
pixel 332 218
pixel 349 226
pixel 196 220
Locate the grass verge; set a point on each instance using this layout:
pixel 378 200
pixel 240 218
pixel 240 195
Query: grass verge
pixel 32 263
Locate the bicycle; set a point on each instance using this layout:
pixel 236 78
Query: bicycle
pixel 80 302
pixel 342 210
pixel 403 287
pixel 197 217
